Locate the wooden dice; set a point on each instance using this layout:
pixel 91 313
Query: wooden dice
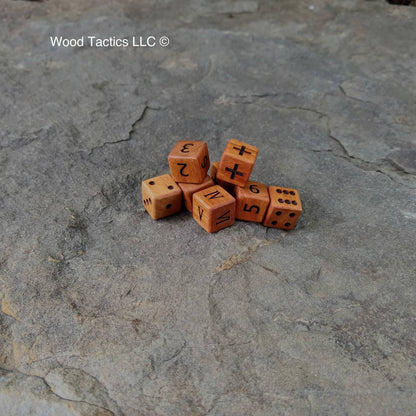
pixel 229 187
pixel 237 162
pixel 284 209
pixel 189 161
pixel 252 201
pixel 214 208
pixel 225 195
pixel 188 190
pixel 161 196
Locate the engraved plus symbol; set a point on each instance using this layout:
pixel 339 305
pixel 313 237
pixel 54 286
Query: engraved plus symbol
pixel 242 150
pixel 234 171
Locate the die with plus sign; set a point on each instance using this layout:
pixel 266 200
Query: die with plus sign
pixel 284 209
pixel 237 162
pixel 214 208
pixel 229 187
pixel 161 196
pixel 189 161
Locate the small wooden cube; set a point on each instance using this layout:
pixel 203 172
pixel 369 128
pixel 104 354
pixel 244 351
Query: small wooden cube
pixel 189 161
pixel 252 201
pixel 284 209
pixel 214 208
pixel 161 196
pixel 188 189
pixel 229 187
pixel 237 162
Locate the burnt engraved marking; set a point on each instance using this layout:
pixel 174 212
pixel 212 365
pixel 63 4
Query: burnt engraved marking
pixel 215 195
pixel 224 217
pixel 182 169
pixel 253 207
pixel 200 212
pixel 214 178
pixel 185 148
pixel 254 189
pixel 204 162
pixel 234 171
pixel 242 150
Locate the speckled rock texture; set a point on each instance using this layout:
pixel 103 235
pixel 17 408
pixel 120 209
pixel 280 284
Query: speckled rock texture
pixel 107 312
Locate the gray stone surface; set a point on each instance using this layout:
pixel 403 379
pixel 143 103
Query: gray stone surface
pixel 106 312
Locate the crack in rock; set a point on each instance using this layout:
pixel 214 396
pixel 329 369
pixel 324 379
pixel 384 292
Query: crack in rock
pixel 77 385
pixel 130 133
pixel 344 92
pixel 243 256
pixel 176 354
pixel 31 394
pixel 386 163
pixel 270 270
pixel 390 167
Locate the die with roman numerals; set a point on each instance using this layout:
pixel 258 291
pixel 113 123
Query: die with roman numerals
pixel 252 201
pixel 189 189
pixel 189 161
pixel 214 208
pixel 237 162
pixel 284 209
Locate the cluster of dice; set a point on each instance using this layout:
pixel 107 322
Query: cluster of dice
pixel 224 195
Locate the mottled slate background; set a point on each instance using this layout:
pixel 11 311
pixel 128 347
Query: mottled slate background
pixel 106 312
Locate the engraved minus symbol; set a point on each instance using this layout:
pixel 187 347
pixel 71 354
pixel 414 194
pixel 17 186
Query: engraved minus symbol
pixel 242 150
